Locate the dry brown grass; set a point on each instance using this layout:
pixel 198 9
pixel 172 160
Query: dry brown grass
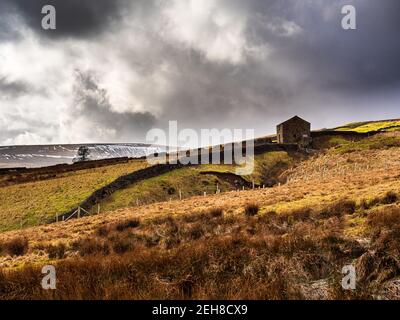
pixel 56 251
pixel 206 256
pixel 15 247
pixel 382 261
pixel 128 224
pixel 210 255
pixel 87 247
pixel 332 166
pixel 390 197
pixel 205 247
pixel 251 209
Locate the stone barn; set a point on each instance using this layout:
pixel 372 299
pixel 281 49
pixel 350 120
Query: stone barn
pixel 294 130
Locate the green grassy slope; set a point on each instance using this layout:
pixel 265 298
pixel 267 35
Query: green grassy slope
pixel 380 141
pixel 33 203
pixel 192 182
pixel 188 180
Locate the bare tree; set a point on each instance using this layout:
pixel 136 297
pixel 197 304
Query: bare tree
pixel 83 154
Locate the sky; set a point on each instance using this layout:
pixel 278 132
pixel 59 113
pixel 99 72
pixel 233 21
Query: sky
pixel 114 69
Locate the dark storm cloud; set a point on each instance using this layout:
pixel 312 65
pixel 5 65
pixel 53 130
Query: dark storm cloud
pixel 312 67
pixel 208 94
pixel 371 54
pixel 7 30
pixel 75 18
pixel 12 89
pixel 321 58
pixel 92 104
pixel 337 59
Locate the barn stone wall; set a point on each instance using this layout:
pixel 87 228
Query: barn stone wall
pixel 294 131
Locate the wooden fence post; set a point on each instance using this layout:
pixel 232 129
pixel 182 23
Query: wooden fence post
pixel 98 208
pixel 79 212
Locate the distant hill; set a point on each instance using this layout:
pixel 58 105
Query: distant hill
pixel 48 155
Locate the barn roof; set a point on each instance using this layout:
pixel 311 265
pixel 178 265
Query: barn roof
pixel 293 119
